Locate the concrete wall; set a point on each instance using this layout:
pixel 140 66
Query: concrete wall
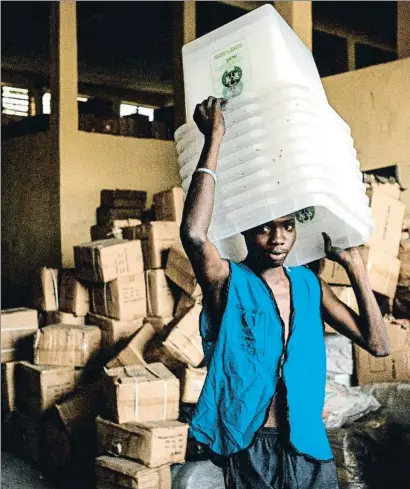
pixel 98 161
pixel 375 102
pixel 30 212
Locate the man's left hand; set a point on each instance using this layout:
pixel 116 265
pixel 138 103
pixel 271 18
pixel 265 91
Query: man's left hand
pixel 338 255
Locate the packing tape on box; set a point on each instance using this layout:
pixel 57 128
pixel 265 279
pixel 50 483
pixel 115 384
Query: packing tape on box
pixel 19 328
pixel 165 390
pixel 53 278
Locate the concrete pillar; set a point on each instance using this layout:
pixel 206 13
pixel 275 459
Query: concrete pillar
pixel 298 15
pixel 403 29
pixel 64 110
pixel 184 31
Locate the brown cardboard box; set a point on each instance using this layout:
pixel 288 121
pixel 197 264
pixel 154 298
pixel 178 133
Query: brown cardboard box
pixel 26 437
pixel 391 189
pixel 8 387
pixel 130 199
pixel 67 345
pixel 133 352
pixel 81 407
pixel 18 327
pixel 141 393
pixel 180 271
pixel 41 386
pixel 118 473
pixel 74 295
pixel 169 205
pixel 114 332
pixel 106 215
pixel 186 303
pixel 347 296
pixel 184 341
pixel 192 384
pixel 44 289
pixel 394 368
pixel 382 269
pixel 158 322
pixel 56 317
pixel 157 238
pixel 106 260
pixel 160 299
pixel 98 232
pixel 404 257
pixel 124 298
pixel 388 214
pixel 153 444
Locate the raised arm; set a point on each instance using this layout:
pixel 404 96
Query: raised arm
pixel 366 329
pixel 211 270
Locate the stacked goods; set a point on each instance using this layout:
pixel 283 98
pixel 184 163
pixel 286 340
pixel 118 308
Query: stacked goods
pixel 395 367
pixel 402 299
pixel 380 254
pixel 18 327
pixel 119 308
pixel 169 205
pixel 339 354
pixel 118 209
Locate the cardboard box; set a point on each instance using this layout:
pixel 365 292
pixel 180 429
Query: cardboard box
pixel 169 205
pixel 180 271
pixel 184 341
pixel 44 289
pixel 26 431
pixel 141 393
pixel 113 332
pixel 394 368
pixel 186 303
pixel 124 298
pixel 112 230
pixel 158 322
pixel 157 239
pixel 391 189
pixel 8 387
pixel 192 383
pixel 388 215
pixel 80 408
pixel 67 345
pixel 404 257
pixel 153 444
pixel 383 271
pixel 118 473
pixel 41 386
pixel 131 199
pixel 106 260
pixel 133 352
pixel 160 299
pixel 74 295
pixel 18 327
pixel 56 317
pixel 347 296
pixel 106 215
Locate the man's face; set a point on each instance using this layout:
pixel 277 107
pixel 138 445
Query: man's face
pixel 271 242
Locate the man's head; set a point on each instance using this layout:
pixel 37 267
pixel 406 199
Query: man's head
pixel 270 243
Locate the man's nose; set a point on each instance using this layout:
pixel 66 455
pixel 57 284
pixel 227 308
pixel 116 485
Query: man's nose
pixel 277 237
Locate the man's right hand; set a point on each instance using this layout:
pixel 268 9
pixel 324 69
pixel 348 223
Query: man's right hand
pixel 209 117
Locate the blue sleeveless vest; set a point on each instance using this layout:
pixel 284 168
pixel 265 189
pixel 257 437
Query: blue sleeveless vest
pixel 247 356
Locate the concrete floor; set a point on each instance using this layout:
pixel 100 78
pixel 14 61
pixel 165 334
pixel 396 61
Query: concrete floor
pixel 16 474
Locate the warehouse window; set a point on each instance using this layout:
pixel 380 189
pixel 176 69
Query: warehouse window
pixel 14 101
pixel 130 109
pixel 46 101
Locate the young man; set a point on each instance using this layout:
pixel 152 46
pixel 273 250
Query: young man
pixel 262 329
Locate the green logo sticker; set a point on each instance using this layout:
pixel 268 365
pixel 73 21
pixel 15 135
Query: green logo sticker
pixel 304 216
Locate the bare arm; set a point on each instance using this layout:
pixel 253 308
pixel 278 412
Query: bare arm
pixel 211 270
pixel 366 329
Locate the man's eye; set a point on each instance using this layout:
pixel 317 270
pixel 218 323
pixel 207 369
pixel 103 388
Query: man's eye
pixel 289 228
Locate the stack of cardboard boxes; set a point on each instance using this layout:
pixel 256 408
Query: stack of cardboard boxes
pixel 117 351
pixel 382 262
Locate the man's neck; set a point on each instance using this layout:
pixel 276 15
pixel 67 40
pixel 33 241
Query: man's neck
pixel 271 274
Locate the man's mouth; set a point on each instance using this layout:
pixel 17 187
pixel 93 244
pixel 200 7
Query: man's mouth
pixel 277 254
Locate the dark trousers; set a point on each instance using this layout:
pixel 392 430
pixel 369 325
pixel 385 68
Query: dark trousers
pixel 270 464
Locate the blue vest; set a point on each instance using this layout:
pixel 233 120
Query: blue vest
pixel 248 355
